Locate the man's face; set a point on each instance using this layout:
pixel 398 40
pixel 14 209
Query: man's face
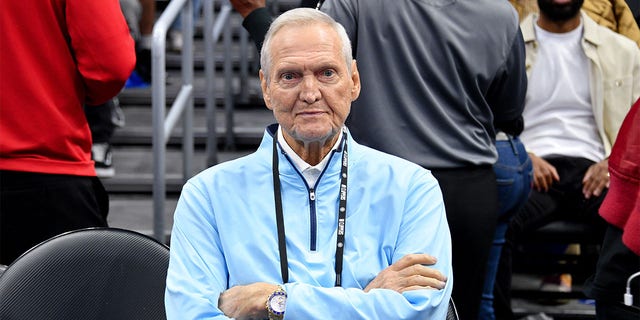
pixel 309 89
pixel 560 10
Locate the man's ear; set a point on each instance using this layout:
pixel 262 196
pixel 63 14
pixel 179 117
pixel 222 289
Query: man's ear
pixel 265 90
pixel 355 78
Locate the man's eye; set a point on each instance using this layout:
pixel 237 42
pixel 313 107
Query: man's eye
pixel 287 76
pixel 328 73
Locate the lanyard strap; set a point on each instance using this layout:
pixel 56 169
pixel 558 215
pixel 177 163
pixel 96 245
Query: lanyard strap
pixel 342 213
pixel 282 246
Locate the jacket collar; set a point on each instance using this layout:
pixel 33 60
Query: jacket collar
pixel 590 29
pixel 272 130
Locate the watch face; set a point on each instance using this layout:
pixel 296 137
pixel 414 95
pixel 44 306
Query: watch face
pixel 277 303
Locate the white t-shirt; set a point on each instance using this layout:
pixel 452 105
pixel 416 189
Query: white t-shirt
pixel 558 115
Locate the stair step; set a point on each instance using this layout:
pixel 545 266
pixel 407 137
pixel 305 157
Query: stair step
pixel 134 168
pixel 248 126
pixel 143 96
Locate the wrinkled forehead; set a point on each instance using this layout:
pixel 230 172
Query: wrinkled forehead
pixel 306 41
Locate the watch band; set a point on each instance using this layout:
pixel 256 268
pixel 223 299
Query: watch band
pixel 276 303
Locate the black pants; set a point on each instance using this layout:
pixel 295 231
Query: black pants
pixel 100 121
pixel 564 200
pixel 615 264
pixel 471 202
pixel 35 207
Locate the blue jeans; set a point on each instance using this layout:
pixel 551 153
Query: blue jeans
pixel 514 174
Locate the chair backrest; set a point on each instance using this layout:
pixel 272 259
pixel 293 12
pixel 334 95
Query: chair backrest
pixel 95 273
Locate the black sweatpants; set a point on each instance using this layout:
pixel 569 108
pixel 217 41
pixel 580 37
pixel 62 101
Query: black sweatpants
pixel 35 207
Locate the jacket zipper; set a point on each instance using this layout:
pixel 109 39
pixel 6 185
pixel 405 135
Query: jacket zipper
pixel 312 218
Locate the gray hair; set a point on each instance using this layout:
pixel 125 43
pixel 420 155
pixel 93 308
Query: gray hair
pixel 302 17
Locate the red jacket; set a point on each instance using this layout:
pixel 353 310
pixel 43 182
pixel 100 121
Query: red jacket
pixel 621 206
pixel 56 56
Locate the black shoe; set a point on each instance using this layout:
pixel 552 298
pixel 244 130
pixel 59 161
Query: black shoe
pixel 143 64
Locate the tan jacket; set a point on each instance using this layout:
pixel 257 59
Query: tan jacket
pixel 614 75
pixel 613 14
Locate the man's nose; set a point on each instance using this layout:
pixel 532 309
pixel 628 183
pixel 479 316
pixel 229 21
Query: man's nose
pixel 310 91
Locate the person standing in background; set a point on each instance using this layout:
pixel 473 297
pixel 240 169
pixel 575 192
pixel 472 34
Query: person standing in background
pixel 174 35
pixel 514 174
pixel 439 79
pixel 103 120
pixel 140 16
pixel 76 53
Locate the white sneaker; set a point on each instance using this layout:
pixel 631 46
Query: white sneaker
pixel 103 160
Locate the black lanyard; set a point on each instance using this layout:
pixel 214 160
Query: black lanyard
pixel 342 214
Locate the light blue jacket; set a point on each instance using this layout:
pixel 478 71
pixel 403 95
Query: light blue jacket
pixel 224 235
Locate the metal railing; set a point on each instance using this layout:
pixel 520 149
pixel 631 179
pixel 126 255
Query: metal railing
pixel 214 28
pixel 183 104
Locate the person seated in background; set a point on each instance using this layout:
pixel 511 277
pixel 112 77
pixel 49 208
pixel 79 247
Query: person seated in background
pixel 312 225
pixel 583 78
pixel 620 258
pixel 616 15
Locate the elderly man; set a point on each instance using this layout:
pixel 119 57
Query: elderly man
pixel 361 225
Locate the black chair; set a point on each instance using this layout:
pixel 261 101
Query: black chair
pixel 528 259
pixel 95 273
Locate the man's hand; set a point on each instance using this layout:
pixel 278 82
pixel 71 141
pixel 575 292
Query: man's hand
pixel 544 174
pixel 409 273
pixel 245 7
pixel 596 179
pixel 246 302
